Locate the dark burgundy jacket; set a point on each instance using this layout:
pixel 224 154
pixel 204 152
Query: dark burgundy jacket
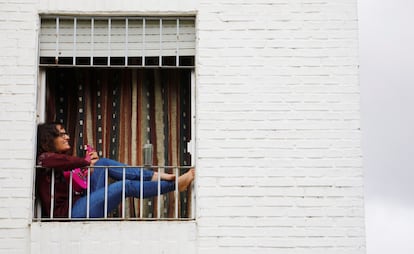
pixel 60 162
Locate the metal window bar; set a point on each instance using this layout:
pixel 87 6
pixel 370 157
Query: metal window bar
pixel 109 42
pixel 141 197
pixel 57 41
pixel 52 194
pixel 123 192
pixel 160 41
pixel 106 194
pixel 176 170
pixel 88 194
pixel 176 196
pixel 92 39
pixel 126 41
pixel 74 40
pixel 143 41
pixel 159 194
pixel 70 194
pixel 177 56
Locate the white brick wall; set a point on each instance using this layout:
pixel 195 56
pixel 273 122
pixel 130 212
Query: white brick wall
pixel 278 128
pixel 114 237
pixel 17 121
pixel 277 133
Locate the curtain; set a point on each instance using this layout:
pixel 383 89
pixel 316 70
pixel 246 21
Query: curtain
pixel 118 110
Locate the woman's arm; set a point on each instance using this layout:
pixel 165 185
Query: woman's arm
pixel 61 161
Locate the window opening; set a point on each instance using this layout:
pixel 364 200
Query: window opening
pixel 119 110
pixel 156 109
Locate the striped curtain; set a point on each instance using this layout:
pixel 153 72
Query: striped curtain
pixel 117 111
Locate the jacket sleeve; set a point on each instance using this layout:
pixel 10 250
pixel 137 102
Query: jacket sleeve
pixel 61 161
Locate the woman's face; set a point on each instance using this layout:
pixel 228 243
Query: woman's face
pixel 62 141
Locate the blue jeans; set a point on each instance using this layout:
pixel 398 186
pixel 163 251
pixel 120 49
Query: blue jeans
pixel 132 188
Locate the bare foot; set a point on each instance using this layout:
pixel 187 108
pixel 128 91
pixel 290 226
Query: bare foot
pixel 185 180
pixel 167 177
pixel 163 176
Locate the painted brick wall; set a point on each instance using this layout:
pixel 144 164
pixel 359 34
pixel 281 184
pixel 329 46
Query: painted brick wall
pixel 17 120
pixel 278 127
pixel 277 135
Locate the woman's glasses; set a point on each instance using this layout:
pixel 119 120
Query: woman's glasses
pixel 63 134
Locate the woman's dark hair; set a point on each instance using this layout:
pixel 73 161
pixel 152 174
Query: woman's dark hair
pixel 46 134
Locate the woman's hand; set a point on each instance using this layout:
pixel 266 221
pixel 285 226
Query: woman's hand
pixel 94 157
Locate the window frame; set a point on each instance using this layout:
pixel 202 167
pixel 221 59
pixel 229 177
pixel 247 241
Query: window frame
pixel 41 106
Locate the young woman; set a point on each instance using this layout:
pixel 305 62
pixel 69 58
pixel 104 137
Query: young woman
pixel 52 148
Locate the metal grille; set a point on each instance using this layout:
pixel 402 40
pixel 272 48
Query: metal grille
pixel 176 215
pixel 117 41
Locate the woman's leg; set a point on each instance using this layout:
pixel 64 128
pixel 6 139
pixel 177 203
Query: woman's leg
pixel 132 189
pixel 98 176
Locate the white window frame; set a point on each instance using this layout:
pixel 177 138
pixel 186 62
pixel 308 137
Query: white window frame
pixel 41 101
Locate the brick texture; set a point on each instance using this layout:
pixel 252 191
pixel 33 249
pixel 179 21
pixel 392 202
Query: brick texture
pixel 278 128
pixel 278 154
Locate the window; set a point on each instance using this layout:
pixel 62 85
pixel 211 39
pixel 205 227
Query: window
pixel 119 83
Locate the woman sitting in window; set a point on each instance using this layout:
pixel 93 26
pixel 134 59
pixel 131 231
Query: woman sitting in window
pixel 52 148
